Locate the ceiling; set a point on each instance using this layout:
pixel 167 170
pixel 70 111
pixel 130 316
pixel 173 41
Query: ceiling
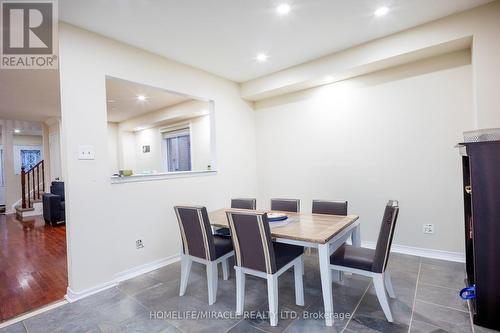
pixel 31 95
pixel 123 104
pixel 224 36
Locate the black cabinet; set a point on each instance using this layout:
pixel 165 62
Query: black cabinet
pixel 481 189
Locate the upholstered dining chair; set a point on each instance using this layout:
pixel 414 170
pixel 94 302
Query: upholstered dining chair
pixel 329 207
pixel 372 263
pixel 199 245
pixel 256 254
pixel 286 205
pixel 241 203
pixel 244 203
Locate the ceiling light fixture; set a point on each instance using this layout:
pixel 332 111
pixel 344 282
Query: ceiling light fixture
pixel 261 57
pixel 381 11
pixel 283 9
pixel 141 97
pixel 17 130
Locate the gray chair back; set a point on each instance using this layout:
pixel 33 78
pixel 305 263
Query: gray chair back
pixel 286 205
pixel 196 232
pixel 252 241
pixel 329 207
pixel 244 203
pixel 385 235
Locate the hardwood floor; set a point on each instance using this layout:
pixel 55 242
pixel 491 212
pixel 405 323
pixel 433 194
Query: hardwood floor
pixel 33 267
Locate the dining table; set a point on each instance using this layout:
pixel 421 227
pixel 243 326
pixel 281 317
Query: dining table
pixel 321 231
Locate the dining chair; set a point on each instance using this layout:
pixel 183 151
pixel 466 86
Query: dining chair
pixel 244 203
pixel 329 207
pixel 372 263
pixel 241 203
pixel 257 255
pixel 200 245
pixel 286 205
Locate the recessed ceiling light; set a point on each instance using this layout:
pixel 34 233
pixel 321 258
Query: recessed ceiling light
pixel 381 11
pixel 261 57
pixel 283 9
pixel 141 97
pixel 17 130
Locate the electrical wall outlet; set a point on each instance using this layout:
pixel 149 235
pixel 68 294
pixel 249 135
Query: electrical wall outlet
pixel 86 152
pixel 139 244
pixel 428 228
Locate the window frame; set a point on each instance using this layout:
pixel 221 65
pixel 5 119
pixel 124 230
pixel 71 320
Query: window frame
pixel 173 132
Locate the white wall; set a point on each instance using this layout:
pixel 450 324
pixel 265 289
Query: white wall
pixel 104 220
pixel 388 135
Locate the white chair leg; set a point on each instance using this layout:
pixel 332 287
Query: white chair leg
pixel 298 271
pixel 225 269
pixel 388 285
pixel 240 291
pixel 212 282
pixel 378 282
pixel 185 270
pixel 272 295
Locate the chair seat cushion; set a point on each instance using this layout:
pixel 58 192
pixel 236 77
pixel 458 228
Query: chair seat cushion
pixel 353 257
pixel 284 253
pixel 222 245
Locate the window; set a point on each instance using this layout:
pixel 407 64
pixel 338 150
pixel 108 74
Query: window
pixel 30 157
pixel 178 150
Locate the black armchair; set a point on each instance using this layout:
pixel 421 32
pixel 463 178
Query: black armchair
pixel 53 204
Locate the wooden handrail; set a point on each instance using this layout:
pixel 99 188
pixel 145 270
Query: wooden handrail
pixel 25 184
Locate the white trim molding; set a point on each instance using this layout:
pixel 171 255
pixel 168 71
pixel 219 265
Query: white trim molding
pixel 421 252
pixel 146 268
pixel 72 296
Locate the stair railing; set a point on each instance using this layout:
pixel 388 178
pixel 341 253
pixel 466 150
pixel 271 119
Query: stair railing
pixel 30 184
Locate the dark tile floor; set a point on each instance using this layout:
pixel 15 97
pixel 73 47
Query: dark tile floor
pixel 426 301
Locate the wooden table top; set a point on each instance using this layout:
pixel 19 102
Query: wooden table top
pixel 308 227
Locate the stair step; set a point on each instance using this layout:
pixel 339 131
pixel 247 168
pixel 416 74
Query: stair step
pixel 20 209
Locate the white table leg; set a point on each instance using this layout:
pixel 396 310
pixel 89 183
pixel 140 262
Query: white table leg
pixel 356 236
pixel 326 281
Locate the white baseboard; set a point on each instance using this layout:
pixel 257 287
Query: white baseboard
pixel 421 252
pixel 138 270
pixel 72 296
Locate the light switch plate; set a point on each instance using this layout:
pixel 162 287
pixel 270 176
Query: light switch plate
pixel 86 152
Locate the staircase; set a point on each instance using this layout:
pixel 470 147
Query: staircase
pixel 32 189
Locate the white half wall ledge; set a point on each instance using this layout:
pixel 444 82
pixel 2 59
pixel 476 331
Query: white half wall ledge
pixel 329 69
pixel 161 176
pixel 421 252
pixel 73 296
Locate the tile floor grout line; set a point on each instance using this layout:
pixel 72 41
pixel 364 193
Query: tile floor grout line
pixel 442 306
pixel 435 285
pixel 415 296
pixel 356 307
